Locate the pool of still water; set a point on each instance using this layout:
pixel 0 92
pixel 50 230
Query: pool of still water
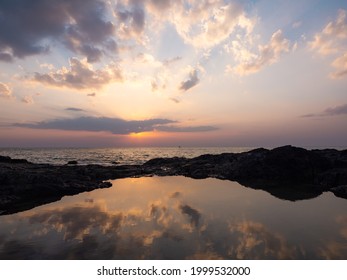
pixel 177 218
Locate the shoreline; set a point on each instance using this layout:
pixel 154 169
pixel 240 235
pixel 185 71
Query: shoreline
pixel 286 172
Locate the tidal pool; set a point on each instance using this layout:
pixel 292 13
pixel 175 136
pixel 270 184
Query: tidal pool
pixel 177 218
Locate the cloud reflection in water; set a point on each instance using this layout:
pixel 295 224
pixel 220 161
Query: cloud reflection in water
pixel 162 218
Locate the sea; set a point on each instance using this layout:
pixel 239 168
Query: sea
pixel 111 156
pixel 119 156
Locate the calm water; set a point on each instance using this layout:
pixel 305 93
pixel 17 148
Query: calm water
pixel 177 218
pixel 106 156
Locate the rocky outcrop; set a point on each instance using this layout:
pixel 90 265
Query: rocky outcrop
pixel 286 172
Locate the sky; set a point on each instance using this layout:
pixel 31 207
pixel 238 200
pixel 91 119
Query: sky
pixel 108 73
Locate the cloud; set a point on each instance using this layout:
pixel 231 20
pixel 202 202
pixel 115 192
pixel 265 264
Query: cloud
pixel 333 111
pixel 255 240
pixel 340 64
pixel 6 57
pixel 170 61
pixel 186 129
pixel 268 54
pixel 192 213
pixel 328 41
pixel 31 29
pixel 241 50
pixel 113 125
pixel 333 40
pixel 192 81
pixel 28 99
pixel 77 220
pixel 5 91
pixel 80 75
pixel 154 86
pixel 161 5
pixel 175 100
pixel 131 18
pixel 205 24
pixel 93 94
pixel 338 110
pixel 72 109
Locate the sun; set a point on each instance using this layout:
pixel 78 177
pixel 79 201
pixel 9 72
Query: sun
pixel 139 135
pixel 143 135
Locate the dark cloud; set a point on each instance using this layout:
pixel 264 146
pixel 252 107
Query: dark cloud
pixel 81 75
pixel 192 81
pixel 334 111
pixel 161 4
pixel 175 195
pixel 309 116
pixel 74 109
pixel 338 110
pixel 29 27
pixel 113 125
pixel 170 61
pixel 192 213
pixel 6 57
pixel 175 100
pixel 138 15
pixel 132 17
pixel 93 94
pixel 171 128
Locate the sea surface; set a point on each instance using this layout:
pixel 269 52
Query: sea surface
pixel 177 218
pixel 110 156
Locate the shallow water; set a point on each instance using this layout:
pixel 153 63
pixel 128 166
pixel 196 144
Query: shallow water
pixel 177 218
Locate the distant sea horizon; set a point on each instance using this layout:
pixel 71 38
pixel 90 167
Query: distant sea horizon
pixel 119 155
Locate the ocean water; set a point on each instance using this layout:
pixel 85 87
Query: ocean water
pixel 110 156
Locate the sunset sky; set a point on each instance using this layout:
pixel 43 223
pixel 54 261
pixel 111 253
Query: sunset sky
pixel 95 73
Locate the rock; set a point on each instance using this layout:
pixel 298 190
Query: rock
pixel 340 191
pixel 5 159
pixel 10 160
pixel 74 162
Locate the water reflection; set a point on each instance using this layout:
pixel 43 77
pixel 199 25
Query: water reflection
pixel 177 218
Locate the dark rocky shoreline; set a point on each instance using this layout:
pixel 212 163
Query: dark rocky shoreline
pixel 286 172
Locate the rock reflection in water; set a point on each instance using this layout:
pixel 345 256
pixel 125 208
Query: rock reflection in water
pixel 177 218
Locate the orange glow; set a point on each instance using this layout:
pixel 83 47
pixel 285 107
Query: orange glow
pixel 142 135
pixel 143 138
